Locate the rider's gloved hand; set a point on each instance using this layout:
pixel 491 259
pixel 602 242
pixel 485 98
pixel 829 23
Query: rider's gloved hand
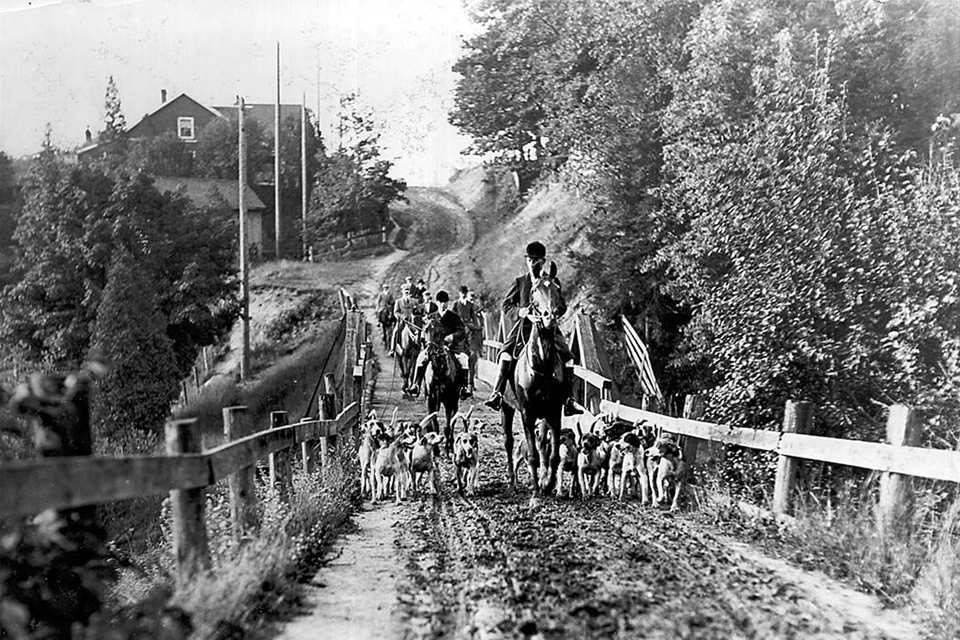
pixel 448 340
pixel 524 312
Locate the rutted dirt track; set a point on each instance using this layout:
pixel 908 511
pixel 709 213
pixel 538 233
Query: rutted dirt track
pixel 491 567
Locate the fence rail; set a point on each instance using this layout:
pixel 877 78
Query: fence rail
pixel 895 459
pixel 77 481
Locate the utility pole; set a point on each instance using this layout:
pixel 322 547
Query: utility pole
pixel 244 267
pixel 276 161
pixel 303 176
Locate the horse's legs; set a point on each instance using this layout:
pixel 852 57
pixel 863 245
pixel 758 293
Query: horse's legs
pixel 533 461
pixel 543 453
pixel 553 455
pixel 449 408
pixel 506 423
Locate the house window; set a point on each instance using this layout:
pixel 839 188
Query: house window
pixel 185 128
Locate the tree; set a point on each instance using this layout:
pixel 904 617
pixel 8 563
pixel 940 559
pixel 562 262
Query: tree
pixel 114 124
pixel 130 335
pixel 217 154
pixel 75 220
pixel 162 155
pixel 353 188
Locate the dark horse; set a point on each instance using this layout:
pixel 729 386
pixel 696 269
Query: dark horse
pixel 407 350
pixel 538 390
pixel 440 383
pixel 386 320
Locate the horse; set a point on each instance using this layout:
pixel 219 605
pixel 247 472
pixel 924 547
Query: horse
pixel 537 388
pixel 386 320
pixel 407 350
pixel 441 387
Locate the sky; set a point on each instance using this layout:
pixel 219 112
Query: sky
pixel 56 57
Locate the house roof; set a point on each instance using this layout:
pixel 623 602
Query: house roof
pixel 200 189
pixel 263 112
pixel 166 105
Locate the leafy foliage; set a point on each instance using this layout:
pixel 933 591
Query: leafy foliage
pixel 770 204
pixel 130 335
pixel 76 222
pixel 353 187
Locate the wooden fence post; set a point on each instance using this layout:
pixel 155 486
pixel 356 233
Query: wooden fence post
pixel 307 461
pixel 797 418
pixel 243 490
pixel 349 356
pixel 896 490
pixel 693 409
pixel 330 389
pixel 327 412
pixel 187 507
pixel 281 465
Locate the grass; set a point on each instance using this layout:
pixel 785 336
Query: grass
pixel 919 570
pixel 252 578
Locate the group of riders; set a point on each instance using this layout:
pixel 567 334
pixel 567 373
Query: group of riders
pixel 458 326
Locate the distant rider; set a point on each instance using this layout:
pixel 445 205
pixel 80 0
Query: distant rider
pixel 518 297
pixel 453 334
pixel 405 309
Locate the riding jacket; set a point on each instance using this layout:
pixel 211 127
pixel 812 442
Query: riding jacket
pixel 385 300
pixel 518 295
pixel 405 308
pixel 452 325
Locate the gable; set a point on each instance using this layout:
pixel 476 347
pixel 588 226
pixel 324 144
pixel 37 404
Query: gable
pixel 167 117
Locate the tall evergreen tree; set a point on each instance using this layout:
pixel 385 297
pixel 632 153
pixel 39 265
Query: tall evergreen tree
pixel 114 124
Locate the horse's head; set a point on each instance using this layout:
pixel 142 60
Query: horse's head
pixel 432 329
pixel 545 297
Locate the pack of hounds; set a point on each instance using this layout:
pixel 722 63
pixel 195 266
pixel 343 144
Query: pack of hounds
pixel 619 460
pixel 398 458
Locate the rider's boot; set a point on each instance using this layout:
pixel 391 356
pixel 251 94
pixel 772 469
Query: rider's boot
pixel 463 383
pixel 570 407
pixel 417 379
pixel 496 398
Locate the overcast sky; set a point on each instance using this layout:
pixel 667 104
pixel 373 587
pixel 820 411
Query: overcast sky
pixel 56 56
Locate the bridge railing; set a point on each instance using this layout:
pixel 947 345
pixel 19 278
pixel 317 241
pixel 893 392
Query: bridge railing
pixel 32 486
pixel 896 459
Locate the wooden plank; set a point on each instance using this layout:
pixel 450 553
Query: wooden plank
pixel 496 344
pixel 750 438
pixel 797 418
pixel 358 371
pixel 588 346
pixel 316 429
pixel 229 458
pixel 487 371
pixel 188 516
pixel 32 486
pixel 936 464
pixel 591 377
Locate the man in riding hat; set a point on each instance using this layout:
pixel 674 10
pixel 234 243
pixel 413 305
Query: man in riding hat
pixel 405 309
pixel 453 334
pixel 519 297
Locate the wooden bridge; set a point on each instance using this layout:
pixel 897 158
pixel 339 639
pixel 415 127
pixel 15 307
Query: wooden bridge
pixel 77 481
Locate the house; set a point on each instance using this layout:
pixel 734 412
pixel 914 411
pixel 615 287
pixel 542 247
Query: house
pixel 183 115
pixel 200 191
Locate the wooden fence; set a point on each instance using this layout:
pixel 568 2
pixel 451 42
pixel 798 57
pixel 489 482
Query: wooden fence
pixel 897 460
pixel 185 471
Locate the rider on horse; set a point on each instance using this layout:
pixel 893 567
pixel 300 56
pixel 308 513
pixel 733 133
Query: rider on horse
pixel 453 334
pixel 384 302
pixel 405 309
pixel 519 297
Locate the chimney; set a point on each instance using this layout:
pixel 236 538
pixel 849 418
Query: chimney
pixel 163 96
pixel 88 135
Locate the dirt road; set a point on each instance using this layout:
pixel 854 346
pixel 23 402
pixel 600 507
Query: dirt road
pixel 493 567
